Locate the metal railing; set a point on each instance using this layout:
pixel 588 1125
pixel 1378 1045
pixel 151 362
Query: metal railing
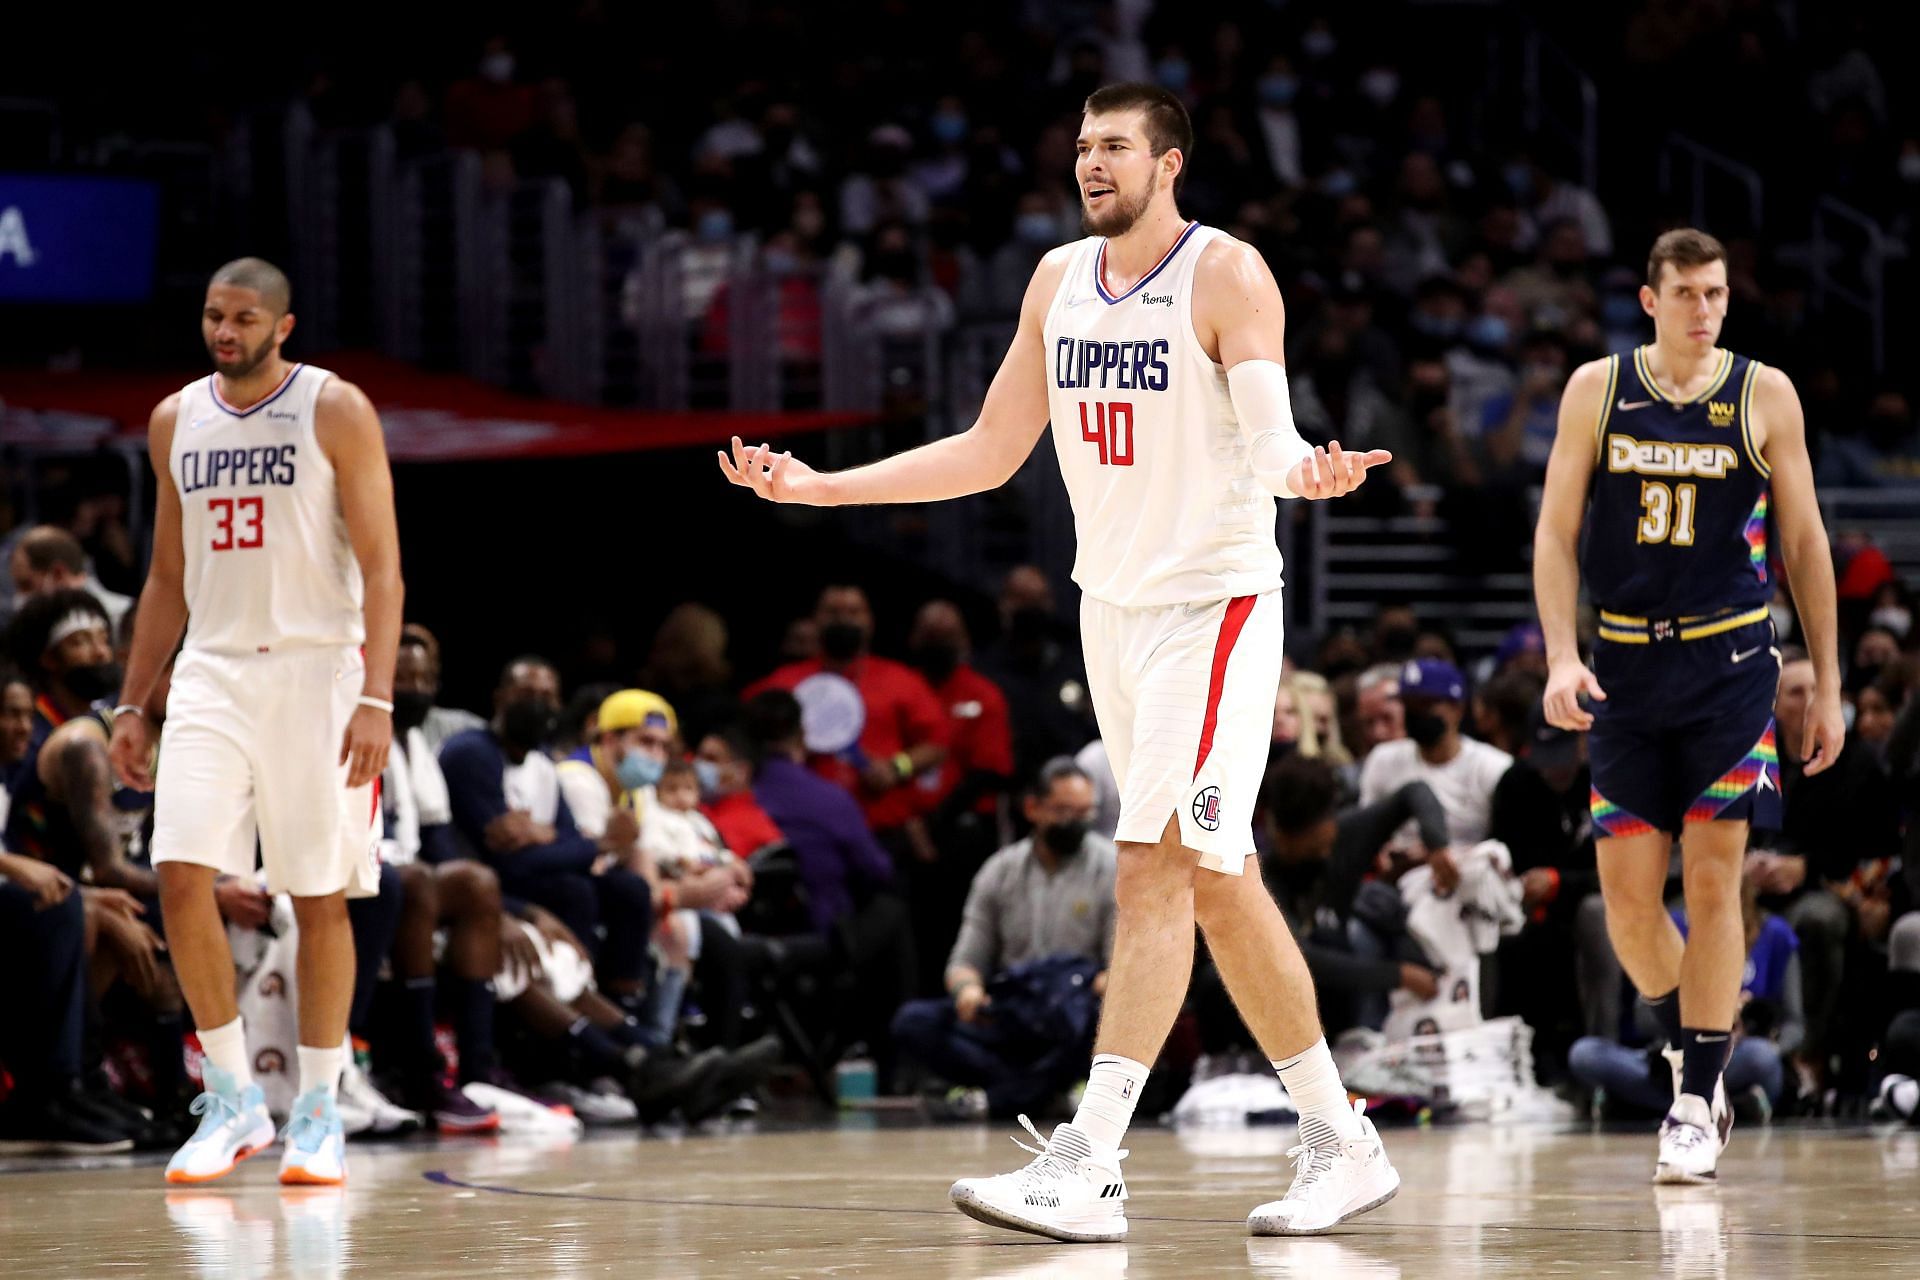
pixel 1865 290
pixel 1704 172
pixel 1889 518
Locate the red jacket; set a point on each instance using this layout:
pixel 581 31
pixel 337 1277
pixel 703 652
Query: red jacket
pixel 982 733
pixel 902 713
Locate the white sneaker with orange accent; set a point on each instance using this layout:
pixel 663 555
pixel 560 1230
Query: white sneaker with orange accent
pixel 234 1124
pixel 316 1154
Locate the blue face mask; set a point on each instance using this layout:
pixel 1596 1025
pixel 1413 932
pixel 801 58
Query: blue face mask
pixel 715 225
pixel 638 769
pixel 1173 74
pixel 1036 228
pixel 1519 179
pixel 1621 311
pixel 1278 90
pixel 1338 183
pixel 949 127
pixel 708 774
pixel 1489 332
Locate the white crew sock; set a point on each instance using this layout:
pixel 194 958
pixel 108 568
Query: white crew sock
pixel 1106 1109
pixel 226 1048
pixel 320 1068
pixel 1313 1082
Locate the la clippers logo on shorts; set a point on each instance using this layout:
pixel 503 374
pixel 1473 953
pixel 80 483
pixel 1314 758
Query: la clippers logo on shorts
pixel 1206 809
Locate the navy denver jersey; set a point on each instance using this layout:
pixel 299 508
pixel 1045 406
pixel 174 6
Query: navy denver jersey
pixel 1677 521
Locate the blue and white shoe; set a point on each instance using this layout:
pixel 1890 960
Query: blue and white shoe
pixel 234 1124
pixel 316 1154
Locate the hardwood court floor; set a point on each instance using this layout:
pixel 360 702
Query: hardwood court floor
pixel 860 1200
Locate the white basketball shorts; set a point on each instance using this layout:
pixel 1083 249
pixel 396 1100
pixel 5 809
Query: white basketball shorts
pixel 1184 695
pixel 251 747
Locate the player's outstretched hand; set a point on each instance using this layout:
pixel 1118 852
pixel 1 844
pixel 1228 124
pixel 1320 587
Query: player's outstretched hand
pixel 777 477
pixel 364 749
pixel 1331 472
pixel 132 751
pixel 1825 734
pixel 1565 684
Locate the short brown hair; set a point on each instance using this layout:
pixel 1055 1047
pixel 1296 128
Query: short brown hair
pixel 1163 118
pixel 1683 247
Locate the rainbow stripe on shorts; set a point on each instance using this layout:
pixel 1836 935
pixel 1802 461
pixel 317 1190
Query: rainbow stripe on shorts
pixel 1764 759
pixel 1613 820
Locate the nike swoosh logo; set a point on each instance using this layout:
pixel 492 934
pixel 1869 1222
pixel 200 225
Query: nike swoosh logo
pixel 1624 407
pixel 1744 654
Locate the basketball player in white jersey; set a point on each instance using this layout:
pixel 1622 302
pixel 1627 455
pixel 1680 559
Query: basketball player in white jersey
pixel 1156 349
pixel 275 552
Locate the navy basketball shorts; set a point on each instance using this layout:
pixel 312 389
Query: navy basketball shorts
pixel 1686 731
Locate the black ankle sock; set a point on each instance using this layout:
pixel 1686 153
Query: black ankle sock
pixel 470 1003
pixel 1666 1014
pixel 595 1048
pixel 416 1014
pixel 1703 1056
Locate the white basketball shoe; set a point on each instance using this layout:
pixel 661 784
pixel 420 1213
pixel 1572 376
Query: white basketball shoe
pixel 1334 1179
pixel 1722 1109
pixel 1690 1142
pixel 234 1124
pixel 316 1154
pixel 1066 1192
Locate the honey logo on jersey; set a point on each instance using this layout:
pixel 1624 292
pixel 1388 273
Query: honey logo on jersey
pixel 1719 414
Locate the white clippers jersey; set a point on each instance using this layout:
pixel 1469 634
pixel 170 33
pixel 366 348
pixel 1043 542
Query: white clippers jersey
pixel 268 562
pixel 1165 506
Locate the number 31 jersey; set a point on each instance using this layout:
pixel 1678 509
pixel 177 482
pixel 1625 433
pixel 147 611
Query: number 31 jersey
pixel 268 562
pixel 1165 506
pixel 1677 524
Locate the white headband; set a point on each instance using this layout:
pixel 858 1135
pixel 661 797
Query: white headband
pixel 72 625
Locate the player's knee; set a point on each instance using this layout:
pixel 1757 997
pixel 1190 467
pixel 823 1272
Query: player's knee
pixel 1713 883
pixel 1215 899
pixel 1146 874
pixel 469 889
pixel 184 886
pixel 421 892
pixel 326 912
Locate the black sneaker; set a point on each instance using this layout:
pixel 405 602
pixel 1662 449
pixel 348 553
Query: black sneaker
pixel 659 1079
pixel 117 1115
pixel 56 1127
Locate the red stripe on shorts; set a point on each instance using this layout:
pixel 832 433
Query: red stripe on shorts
pixel 1239 609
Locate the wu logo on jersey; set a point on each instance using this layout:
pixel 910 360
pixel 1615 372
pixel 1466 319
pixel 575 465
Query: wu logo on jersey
pixel 1206 809
pixel 1719 414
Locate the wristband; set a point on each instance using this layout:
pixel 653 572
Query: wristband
pixel 378 704
pixel 128 709
pixel 903 765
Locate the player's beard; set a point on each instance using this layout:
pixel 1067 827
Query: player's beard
pixel 1119 217
pixel 248 362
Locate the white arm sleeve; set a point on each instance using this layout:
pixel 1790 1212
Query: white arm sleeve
pixel 1260 402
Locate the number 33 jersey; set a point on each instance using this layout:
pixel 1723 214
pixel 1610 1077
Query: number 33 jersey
pixel 1677 524
pixel 268 562
pixel 1165 506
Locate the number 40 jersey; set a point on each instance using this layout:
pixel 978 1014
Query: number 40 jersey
pixel 1165 505
pixel 269 565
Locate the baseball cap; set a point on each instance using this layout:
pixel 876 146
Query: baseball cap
pixel 1433 679
pixel 1525 637
pixel 634 708
pixel 1548 746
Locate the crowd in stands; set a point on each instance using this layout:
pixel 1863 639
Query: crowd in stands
pixel 641 906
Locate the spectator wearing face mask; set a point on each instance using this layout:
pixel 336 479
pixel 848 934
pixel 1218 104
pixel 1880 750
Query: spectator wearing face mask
pixel 723 764
pixel 438 723
pixel 904 737
pixel 1379 715
pixel 1885 454
pixel 964 795
pixel 1038 674
pixel 506 801
pixel 1036 228
pixel 1047 896
pixel 1461 771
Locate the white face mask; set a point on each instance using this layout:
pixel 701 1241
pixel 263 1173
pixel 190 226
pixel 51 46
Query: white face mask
pixel 1782 620
pixel 497 67
pixel 1893 618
